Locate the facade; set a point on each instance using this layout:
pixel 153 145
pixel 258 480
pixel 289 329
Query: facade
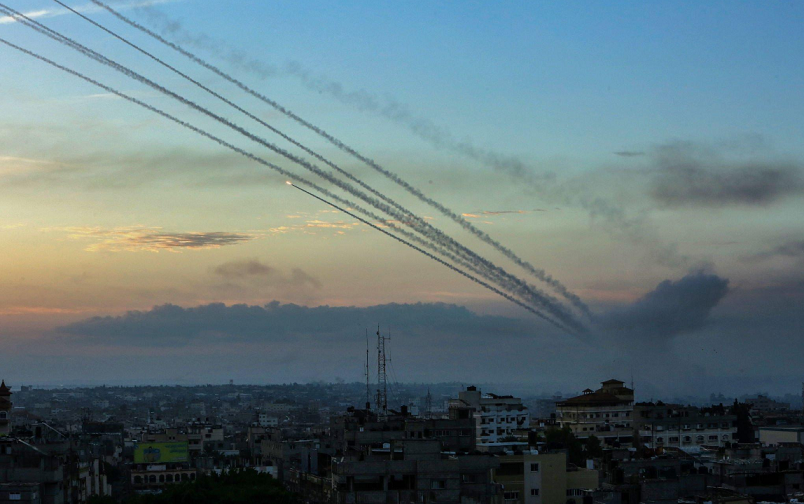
pixel 772 436
pixel 606 413
pixel 5 409
pixel 23 465
pixel 685 427
pixel 764 404
pixel 413 470
pixel 496 417
pixel 543 478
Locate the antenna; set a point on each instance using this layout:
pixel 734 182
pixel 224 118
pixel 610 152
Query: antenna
pixel 368 393
pixel 382 377
pixel 428 403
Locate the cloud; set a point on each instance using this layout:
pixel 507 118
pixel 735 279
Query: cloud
pixel 671 309
pixel 171 325
pixel 253 269
pixel 241 269
pixel 152 239
pixel 793 249
pixel 690 174
pixel 629 153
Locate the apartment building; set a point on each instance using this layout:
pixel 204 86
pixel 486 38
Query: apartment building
pixel 606 413
pixel 543 478
pixel 686 427
pixel 496 417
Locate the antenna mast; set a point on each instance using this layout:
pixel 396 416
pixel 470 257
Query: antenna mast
pixel 368 392
pixel 382 377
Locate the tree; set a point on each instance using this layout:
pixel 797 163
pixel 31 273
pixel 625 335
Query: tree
pixel 233 487
pixel 564 439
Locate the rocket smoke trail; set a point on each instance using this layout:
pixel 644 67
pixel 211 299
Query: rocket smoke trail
pixel 498 274
pixel 390 201
pixel 414 247
pixel 536 272
pixel 280 170
pixel 537 298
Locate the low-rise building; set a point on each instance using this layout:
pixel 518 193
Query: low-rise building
pixel 606 413
pixel 685 427
pixel 543 478
pixel 496 417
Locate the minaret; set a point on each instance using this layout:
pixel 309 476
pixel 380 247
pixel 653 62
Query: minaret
pixel 5 409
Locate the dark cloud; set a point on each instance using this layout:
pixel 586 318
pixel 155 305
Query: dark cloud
pixel 241 269
pixel 629 153
pixel 253 269
pixel 171 325
pixel 689 174
pixel 794 249
pixel 140 238
pixel 671 309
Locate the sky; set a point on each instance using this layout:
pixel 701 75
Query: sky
pixel 645 155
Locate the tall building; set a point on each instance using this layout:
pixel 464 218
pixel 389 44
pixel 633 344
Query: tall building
pixel 606 413
pixel 5 409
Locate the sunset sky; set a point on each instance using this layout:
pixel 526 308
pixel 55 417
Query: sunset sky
pixel 618 146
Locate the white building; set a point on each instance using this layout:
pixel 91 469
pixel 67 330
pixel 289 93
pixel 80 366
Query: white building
pixel 266 420
pixel 496 417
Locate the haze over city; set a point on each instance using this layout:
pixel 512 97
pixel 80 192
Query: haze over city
pixel 645 159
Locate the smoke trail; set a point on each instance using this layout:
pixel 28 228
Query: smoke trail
pixel 510 282
pixel 278 169
pixel 414 247
pixel 409 214
pixel 538 273
pixel 498 274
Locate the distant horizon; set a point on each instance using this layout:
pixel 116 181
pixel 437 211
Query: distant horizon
pixel 497 388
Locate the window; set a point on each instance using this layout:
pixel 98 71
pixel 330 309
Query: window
pixel 437 484
pixel 511 495
pixel 534 491
pixel 3 414
pixel 534 467
pixel 14 496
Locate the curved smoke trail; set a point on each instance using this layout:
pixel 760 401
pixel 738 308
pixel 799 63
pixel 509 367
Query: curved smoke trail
pixel 511 282
pixel 510 254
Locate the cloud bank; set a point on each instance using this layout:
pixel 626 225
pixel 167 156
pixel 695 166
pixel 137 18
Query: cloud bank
pixel 175 325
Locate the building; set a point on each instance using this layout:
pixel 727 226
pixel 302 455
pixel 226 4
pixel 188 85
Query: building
pixel 772 436
pixel 5 409
pixel 764 404
pixel 29 471
pixel 606 413
pixel 543 478
pixel 413 470
pixel 685 427
pixel 496 417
